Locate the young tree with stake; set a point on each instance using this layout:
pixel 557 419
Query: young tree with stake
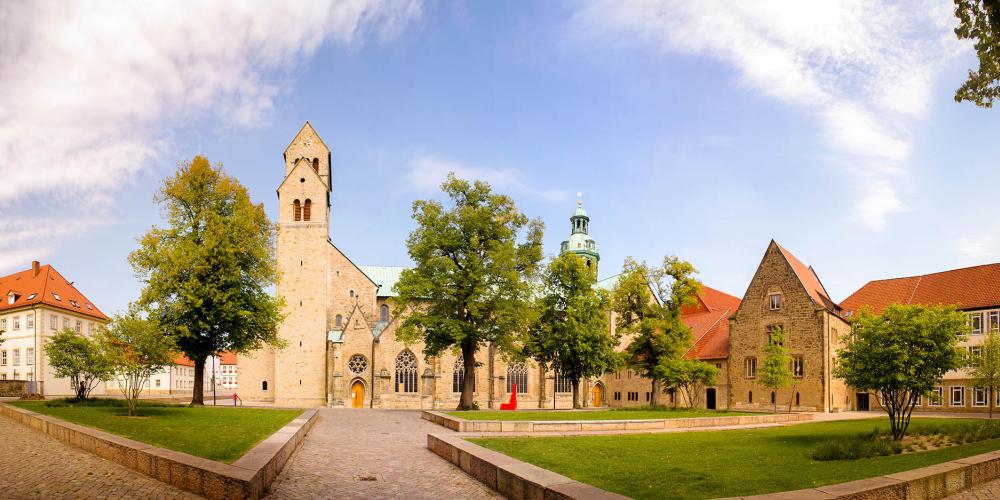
pixel 774 371
pixel 984 366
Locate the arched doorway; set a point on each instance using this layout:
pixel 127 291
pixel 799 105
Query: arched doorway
pixel 357 394
pixel 598 393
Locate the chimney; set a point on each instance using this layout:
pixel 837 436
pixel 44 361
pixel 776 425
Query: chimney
pixel 34 268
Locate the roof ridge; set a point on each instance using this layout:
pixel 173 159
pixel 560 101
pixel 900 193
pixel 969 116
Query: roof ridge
pixel 936 272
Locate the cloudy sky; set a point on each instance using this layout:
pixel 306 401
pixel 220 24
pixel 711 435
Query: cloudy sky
pixel 700 129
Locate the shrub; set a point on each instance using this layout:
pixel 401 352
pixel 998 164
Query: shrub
pixel 860 446
pixel 100 402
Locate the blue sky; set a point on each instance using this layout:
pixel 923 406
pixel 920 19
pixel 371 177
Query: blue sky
pixel 695 129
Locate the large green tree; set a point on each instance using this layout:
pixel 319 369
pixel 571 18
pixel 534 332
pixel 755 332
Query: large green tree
pixel 901 354
pixel 686 376
pixel 775 372
pixel 571 335
pixel 136 349
pixel 78 358
pixel 471 285
pixel 647 301
pixel 207 273
pixel 979 20
pixel 984 366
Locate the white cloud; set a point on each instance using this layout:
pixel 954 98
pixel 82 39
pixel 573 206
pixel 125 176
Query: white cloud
pixel 976 249
pixel 428 172
pixel 89 91
pixel 865 69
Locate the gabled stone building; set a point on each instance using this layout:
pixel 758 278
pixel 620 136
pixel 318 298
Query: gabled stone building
pixel 785 292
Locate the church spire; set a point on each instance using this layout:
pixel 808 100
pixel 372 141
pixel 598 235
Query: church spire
pixel 579 241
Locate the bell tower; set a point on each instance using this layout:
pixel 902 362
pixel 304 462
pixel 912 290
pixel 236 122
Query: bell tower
pixel 579 241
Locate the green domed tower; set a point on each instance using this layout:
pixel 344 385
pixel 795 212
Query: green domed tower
pixel 579 241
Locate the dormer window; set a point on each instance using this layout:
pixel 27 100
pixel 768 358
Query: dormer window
pixel 74 303
pixel 774 301
pixel 11 298
pixel 32 296
pixel 89 306
pixel 56 296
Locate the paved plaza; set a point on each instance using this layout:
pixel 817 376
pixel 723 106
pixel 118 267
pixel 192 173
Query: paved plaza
pixel 36 465
pixel 368 454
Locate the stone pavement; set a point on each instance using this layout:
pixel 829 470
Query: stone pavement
pixel 36 465
pixel 362 453
pixel 984 491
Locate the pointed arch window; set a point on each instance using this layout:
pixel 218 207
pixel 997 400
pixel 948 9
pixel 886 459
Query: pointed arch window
pixel 406 372
pixel 316 165
pixel 383 314
pixel 297 210
pixel 517 373
pixel 458 375
pixel 307 210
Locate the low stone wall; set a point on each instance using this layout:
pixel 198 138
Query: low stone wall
pixel 512 478
pixel 248 477
pixel 12 388
pixel 935 481
pixel 462 425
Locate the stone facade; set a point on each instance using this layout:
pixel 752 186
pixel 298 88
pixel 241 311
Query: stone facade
pixel 812 330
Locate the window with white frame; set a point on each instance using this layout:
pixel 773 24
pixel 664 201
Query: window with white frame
pixel 979 397
pixel 975 350
pixel 994 321
pixel 29 354
pixel 53 322
pixel 957 396
pixel 29 321
pixel 797 366
pixel 16 358
pixel 16 323
pixel 3 358
pixel 976 323
pixel 79 326
pixel 3 324
pixel 774 301
pixel 750 364
pixel 936 397
pixel 65 322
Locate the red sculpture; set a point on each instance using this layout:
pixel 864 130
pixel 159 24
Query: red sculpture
pixel 513 400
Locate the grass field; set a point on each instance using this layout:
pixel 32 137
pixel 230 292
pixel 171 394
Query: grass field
pixel 718 463
pixel 591 414
pixel 222 434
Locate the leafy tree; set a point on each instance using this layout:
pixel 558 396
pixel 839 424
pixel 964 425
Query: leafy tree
pixel 902 354
pixel 471 283
pixel 979 20
pixel 984 367
pixel 688 376
pixel 648 301
pixel 207 274
pixel 774 370
pixel 136 350
pixel 78 358
pixel 571 335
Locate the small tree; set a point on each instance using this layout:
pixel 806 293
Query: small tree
pixel 571 335
pixel 775 372
pixel 648 302
pixel 902 354
pixel 984 367
pixel 688 376
pixel 78 358
pixel 470 285
pixel 137 350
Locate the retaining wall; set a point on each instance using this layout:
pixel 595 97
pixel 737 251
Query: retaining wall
pixel 462 425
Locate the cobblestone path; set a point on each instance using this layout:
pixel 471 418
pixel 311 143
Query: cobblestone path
pixel 36 465
pixel 985 491
pixel 372 454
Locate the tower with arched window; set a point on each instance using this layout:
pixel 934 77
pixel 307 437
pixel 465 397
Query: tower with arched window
pixel 579 241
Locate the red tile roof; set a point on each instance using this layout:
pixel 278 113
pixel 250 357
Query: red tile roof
pixel 810 280
pixel 227 358
pixel 44 285
pixel 709 323
pixel 974 287
pixel 182 360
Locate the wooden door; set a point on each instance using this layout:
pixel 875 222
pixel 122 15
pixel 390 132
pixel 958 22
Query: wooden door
pixel 357 394
pixel 597 395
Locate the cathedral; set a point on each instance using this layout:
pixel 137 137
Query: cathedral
pixel 339 334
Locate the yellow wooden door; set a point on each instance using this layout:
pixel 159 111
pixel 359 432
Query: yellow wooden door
pixel 597 395
pixel 357 395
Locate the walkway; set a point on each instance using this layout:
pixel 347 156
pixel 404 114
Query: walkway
pixel 36 465
pixel 372 454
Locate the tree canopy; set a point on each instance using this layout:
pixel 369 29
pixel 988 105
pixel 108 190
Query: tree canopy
pixel 647 301
pixel 79 359
pixel 136 350
pixel 984 366
pixel 207 274
pixel 687 376
pixel 471 283
pixel 774 370
pixel 979 20
pixel 901 354
pixel 571 335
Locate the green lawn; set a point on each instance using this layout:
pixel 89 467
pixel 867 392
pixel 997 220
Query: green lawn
pixel 222 434
pixel 591 414
pixel 714 464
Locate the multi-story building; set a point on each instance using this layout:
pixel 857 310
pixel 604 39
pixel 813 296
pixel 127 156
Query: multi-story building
pixel 35 304
pixel 227 377
pixel 175 378
pixel 974 290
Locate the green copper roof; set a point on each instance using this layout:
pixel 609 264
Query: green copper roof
pixel 384 276
pixel 608 283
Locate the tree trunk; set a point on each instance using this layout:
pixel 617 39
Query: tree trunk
pixel 654 398
pixel 991 402
pixel 576 393
pixel 469 362
pixel 81 390
pixel 198 398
